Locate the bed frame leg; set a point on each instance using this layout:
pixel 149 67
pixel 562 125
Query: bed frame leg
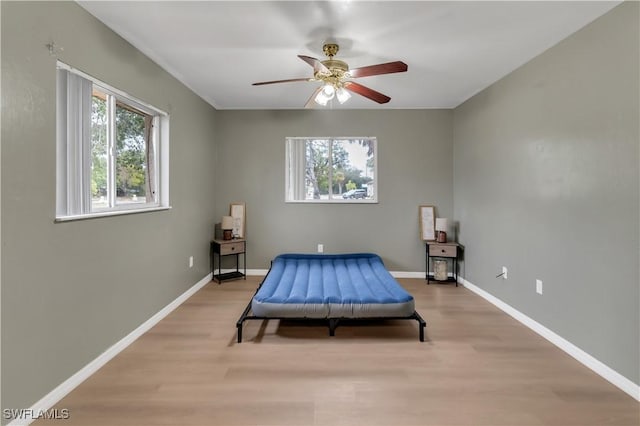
pixel 241 321
pixel 333 324
pixel 421 325
pixel 239 326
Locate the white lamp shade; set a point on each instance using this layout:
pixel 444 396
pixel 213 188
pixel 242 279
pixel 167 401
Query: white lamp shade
pixel 321 98
pixel 328 90
pixel 441 224
pixel 227 222
pixel 343 95
pixel 325 95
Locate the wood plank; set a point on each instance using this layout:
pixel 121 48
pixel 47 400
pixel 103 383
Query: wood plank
pixel 477 366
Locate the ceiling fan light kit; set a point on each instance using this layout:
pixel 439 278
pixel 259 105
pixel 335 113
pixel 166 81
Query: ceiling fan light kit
pixel 335 75
pixel 329 91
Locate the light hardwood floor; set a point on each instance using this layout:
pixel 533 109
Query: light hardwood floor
pixel 478 366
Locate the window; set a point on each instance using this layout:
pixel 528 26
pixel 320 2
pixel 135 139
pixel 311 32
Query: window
pixel 112 150
pixel 331 170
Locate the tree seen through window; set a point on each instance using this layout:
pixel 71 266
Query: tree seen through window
pixel 129 171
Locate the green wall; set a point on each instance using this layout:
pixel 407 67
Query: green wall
pixel 71 290
pixel 415 156
pixel 546 183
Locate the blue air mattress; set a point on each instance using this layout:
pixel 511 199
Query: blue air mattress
pixel 331 286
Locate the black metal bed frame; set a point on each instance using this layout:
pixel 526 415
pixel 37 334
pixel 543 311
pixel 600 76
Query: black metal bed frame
pixel 332 322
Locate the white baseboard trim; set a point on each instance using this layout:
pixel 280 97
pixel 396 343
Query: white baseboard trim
pixel 589 361
pixel 31 414
pixel 250 272
pixel 395 274
pixel 404 274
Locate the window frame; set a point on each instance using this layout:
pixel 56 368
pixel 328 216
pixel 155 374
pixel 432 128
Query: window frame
pixel 291 172
pixel 159 140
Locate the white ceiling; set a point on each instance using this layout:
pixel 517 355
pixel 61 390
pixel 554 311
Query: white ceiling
pixel 453 49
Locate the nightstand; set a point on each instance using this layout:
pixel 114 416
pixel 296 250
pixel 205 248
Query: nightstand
pixel 447 251
pixel 222 248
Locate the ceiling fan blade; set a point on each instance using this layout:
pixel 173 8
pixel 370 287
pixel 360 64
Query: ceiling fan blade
pixel 315 63
pixel 282 81
pixel 388 68
pixel 366 92
pixel 311 102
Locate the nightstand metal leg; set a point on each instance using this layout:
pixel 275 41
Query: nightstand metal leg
pixel 426 266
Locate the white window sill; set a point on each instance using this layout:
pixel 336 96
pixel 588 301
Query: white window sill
pixel 110 213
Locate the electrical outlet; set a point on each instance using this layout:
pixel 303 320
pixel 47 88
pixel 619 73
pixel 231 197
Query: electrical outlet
pixel 504 272
pixel 539 286
pixel 190 261
pixel 320 248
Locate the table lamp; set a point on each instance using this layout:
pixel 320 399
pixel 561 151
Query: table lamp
pixel 441 228
pixel 227 226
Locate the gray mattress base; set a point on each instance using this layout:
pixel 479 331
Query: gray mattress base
pixel 332 310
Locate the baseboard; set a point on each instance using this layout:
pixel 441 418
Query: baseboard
pixel 589 361
pixel 404 274
pixel 49 400
pixel 395 274
pixel 250 272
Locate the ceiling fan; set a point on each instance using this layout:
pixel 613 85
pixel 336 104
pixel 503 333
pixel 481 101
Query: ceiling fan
pixel 335 76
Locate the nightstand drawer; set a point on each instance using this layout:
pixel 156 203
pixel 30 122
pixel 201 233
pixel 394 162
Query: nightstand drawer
pixel 231 248
pixel 443 250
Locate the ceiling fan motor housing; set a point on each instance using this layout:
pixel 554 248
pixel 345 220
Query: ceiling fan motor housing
pixel 337 69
